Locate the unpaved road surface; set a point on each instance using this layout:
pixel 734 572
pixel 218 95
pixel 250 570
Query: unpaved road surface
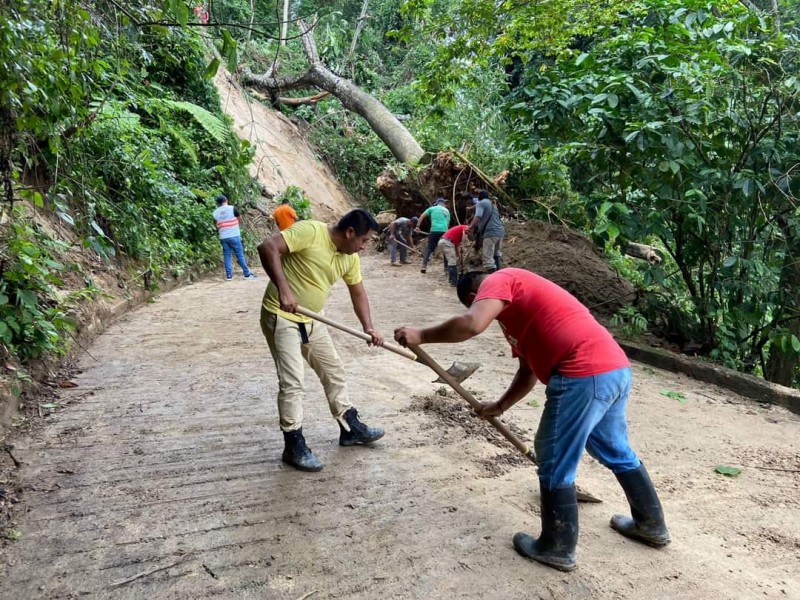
pixel 160 477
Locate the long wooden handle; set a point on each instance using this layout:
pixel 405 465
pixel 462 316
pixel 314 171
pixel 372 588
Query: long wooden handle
pixel 359 334
pixel 406 246
pixel 474 403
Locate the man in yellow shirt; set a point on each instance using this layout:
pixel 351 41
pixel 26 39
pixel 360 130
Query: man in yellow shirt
pixel 303 262
pixel 284 215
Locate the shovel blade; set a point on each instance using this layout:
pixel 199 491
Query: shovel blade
pixel 459 371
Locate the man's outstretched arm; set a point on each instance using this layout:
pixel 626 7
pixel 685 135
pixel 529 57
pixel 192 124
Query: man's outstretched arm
pixel 454 330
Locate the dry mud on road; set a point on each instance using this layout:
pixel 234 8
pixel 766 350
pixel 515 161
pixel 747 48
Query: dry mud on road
pixel 160 477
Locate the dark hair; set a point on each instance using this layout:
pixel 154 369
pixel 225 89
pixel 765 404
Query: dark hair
pixel 221 198
pixel 466 196
pixel 483 195
pixel 285 200
pixel 360 220
pixel 468 283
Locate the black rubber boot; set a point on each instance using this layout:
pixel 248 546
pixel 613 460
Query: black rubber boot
pixel 453 274
pixel 297 454
pixel 647 524
pixel 498 262
pixel 359 433
pixel 559 537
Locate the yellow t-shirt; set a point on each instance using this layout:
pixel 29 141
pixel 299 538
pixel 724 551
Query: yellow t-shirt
pixel 312 266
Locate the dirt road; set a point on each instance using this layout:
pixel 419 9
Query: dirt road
pixel 160 477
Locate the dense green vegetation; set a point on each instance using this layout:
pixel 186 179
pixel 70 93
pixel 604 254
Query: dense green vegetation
pixel 116 130
pixel 663 122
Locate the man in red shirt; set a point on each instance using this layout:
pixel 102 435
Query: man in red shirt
pixel 450 246
pixel 588 379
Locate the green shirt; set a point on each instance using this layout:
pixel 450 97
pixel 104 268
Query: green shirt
pixel 440 218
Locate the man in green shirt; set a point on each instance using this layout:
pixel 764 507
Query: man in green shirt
pixel 303 262
pixel 440 223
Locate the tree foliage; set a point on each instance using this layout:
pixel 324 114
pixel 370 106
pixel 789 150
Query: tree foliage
pixel 114 128
pixel 681 124
pixel 472 35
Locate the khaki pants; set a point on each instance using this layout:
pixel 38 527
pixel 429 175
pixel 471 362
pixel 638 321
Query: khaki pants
pixel 288 351
pixel 447 248
pixel 492 252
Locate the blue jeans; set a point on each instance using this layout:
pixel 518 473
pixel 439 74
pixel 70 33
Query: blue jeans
pixel 394 248
pixel 584 412
pixel 430 248
pixel 233 245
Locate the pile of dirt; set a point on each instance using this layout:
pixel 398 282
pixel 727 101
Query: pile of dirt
pixel 452 415
pixel 569 259
pixel 456 413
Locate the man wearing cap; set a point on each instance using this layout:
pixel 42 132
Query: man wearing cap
pixel 227 219
pixel 489 231
pixel 440 222
pixel 400 235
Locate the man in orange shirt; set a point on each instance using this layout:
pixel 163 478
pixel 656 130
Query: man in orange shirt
pixel 284 215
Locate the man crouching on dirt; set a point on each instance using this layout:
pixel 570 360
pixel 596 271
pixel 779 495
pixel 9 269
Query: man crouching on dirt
pixel 588 380
pixel 303 262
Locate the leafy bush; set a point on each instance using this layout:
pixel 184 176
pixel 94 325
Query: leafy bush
pixel 32 319
pixel 298 201
pixel 117 131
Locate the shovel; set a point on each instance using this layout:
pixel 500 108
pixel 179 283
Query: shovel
pixel 453 379
pixel 407 246
pixel 458 371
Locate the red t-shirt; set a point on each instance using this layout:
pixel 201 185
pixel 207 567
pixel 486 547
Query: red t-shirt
pixel 456 234
pixel 549 327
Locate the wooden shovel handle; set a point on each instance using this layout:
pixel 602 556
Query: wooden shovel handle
pixel 355 332
pixel 424 357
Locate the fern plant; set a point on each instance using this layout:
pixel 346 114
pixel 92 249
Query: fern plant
pixel 213 125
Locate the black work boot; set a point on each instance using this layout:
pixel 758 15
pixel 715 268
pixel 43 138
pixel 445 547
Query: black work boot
pixel 453 273
pixel 358 432
pixel 647 524
pixel 498 262
pixel 559 537
pixel 297 454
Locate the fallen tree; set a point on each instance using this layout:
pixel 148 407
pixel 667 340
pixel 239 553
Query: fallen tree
pixel 389 129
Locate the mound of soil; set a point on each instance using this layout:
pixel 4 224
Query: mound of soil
pixel 455 413
pixel 569 259
pixel 452 413
pixel 561 255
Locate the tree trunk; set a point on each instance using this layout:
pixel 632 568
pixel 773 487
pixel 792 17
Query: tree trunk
pixel 648 253
pixel 284 22
pixel 382 121
pixel 782 365
pixel 397 138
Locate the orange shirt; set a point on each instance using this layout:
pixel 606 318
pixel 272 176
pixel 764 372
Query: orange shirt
pixel 284 216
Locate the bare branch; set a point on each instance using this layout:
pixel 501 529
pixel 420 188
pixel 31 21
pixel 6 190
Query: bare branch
pixel 273 84
pixel 305 101
pixel 776 15
pixel 362 19
pixel 309 45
